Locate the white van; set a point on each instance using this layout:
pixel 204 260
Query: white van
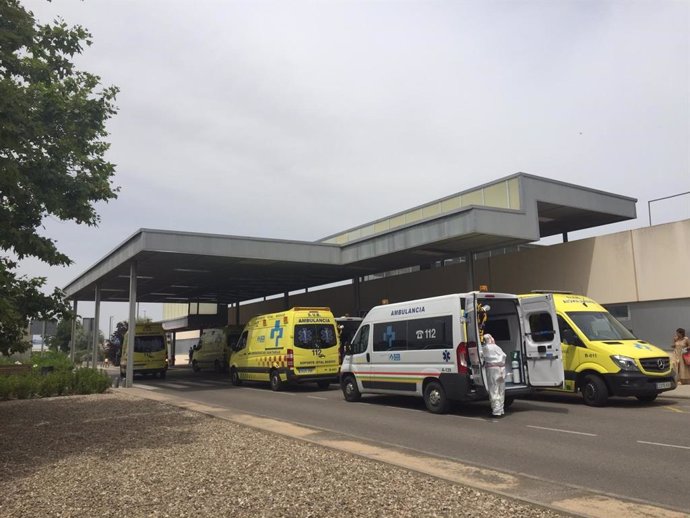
pixel 428 348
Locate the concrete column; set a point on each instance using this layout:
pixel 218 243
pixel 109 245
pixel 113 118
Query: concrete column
pixel 286 300
pixel 132 325
pixel 470 272
pixel 237 313
pixel 358 302
pixel 96 325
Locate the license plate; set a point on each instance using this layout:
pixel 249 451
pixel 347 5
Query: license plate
pixel 305 369
pixel 663 385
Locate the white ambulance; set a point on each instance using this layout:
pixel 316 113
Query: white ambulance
pixel 428 348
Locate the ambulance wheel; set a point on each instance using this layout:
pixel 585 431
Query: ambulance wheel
pixel 350 391
pixel 594 391
pixel 162 374
pixel 647 399
pixel 323 384
pixel 235 377
pixel 435 398
pixel 195 366
pixel 507 402
pixel 276 383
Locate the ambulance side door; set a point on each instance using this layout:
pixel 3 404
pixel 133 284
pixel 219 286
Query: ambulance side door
pixel 542 341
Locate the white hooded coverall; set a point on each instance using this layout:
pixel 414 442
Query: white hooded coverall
pixel 495 365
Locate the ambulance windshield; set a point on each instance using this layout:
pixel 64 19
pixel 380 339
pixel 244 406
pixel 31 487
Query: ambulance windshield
pixel 600 325
pixel 315 336
pixel 148 344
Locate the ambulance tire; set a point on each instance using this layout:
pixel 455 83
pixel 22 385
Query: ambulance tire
pixel 195 366
pixel 507 402
pixel 235 377
pixel 594 390
pixel 276 382
pixel 350 391
pixel 435 398
pixel 162 374
pixel 647 399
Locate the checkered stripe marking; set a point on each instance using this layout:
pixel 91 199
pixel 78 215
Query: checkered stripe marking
pixel 279 360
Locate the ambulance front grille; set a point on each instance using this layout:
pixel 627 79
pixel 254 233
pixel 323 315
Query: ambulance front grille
pixel 656 364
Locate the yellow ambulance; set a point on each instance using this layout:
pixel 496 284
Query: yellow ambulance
pixel 602 358
pixel 150 350
pixel 295 346
pixel 213 349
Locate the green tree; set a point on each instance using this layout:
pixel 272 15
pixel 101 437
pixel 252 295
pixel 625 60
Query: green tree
pixel 61 340
pixel 52 161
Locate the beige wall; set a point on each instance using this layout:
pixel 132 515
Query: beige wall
pixel 646 264
pixel 662 261
pixel 633 266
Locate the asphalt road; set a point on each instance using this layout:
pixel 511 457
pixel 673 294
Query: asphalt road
pixel 626 449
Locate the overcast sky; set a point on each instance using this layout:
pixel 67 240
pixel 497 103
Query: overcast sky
pixel 297 120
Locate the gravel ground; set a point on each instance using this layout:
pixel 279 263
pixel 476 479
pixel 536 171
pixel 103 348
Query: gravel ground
pixel 117 455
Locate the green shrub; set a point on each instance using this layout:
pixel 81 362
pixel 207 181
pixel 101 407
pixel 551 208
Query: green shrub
pixel 5 387
pixel 90 381
pixel 57 360
pixel 24 386
pixel 54 384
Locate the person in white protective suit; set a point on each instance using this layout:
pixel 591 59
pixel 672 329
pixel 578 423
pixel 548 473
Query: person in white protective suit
pixel 495 364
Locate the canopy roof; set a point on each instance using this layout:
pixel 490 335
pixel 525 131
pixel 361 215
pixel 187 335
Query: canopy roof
pixel 180 267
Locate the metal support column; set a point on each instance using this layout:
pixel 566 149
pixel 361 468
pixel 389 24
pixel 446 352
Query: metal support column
pixel 96 326
pixel 237 313
pixel 286 301
pixel 73 336
pixel 132 323
pixel 470 271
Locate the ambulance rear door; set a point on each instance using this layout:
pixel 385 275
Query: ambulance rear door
pixel 474 351
pixel 541 341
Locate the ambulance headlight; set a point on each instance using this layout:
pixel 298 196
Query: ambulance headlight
pixel 626 363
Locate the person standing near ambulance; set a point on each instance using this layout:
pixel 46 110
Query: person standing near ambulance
pixel 681 345
pixel 495 364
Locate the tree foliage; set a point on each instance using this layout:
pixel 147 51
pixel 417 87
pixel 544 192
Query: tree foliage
pixel 52 155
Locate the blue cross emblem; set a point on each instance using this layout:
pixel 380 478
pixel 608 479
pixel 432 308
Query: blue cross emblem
pixel 446 356
pixel 276 332
pixel 389 336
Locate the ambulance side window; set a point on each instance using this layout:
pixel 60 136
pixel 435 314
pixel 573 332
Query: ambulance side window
pixel 242 342
pixel 361 340
pixel 568 335
pixel 541 326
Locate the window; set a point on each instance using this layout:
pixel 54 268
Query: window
pixel 148 344
pixel 541 327
pixel 315 336
pixel 498 328
pixel 242 342
pixel 361 340
pixel 568 334
pixel 417 334
pixel 600 325
pixel 390 336
pixel 430 333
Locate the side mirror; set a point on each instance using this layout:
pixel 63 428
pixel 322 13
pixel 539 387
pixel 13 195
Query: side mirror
pixel 347 348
